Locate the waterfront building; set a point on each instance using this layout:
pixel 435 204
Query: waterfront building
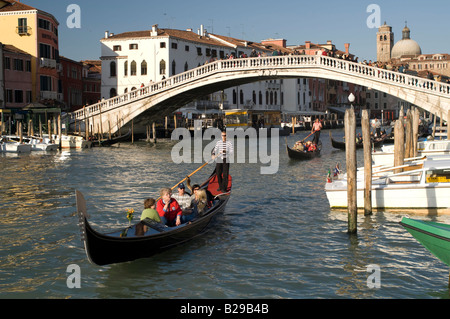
pixel 71 84
pixel 328 94
pixel 17 77
pixel 92 81
pixel 36 33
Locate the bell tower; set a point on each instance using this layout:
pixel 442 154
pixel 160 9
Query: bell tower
pixel 385 42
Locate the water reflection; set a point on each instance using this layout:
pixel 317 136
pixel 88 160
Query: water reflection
pixel 277 238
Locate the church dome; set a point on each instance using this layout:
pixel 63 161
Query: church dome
pixel 406 46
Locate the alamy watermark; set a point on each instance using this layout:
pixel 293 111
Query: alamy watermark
pixel 74 277
pixel 374 19
pixel 74 19
pixel 190 149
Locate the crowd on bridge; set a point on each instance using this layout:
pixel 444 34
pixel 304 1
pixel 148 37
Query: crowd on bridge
pixel 389 66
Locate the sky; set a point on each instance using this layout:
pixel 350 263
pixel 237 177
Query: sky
pixel 297 21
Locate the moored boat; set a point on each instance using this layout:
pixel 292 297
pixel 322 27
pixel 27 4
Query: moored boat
pixel 434 236
pixel 124 245
pixel 9 146
pixel 421 184
pixel 37 143
pixel 341 145
pixel 113 140
pixel 71 141
pixel 424 148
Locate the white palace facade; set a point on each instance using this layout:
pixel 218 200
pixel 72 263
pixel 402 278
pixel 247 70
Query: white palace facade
pixel 134 59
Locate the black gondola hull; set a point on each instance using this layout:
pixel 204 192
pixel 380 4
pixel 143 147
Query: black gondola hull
pixel 301 155
pixel 124 245
pixel 341 145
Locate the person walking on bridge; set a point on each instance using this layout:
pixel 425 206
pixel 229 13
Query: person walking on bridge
pixel 222 153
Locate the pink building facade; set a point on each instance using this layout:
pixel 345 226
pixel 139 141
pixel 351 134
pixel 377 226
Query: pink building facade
pixel 17 74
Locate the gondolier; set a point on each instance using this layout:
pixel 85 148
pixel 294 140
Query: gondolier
pixel 317 126
pixel 222 153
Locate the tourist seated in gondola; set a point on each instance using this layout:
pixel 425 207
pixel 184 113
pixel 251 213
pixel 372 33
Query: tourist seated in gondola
pixel 194 188
pixel 198 207
pixel 299 146
pixel 183 199
pixel 359 138
pixel 168 208
pixel 150 211
pixel 310 146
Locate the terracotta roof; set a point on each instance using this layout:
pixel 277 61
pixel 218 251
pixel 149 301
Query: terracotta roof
pixel 214 39
pixel 11 48
pixel 180 34
pixel 9 5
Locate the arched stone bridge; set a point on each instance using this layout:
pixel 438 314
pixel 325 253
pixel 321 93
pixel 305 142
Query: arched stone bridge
pixel 162 98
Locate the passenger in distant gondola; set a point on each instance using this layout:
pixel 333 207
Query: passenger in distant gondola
pixel 317 126
pixel 168 209
pixel 359 138
pixel 310 147
pixel 299 146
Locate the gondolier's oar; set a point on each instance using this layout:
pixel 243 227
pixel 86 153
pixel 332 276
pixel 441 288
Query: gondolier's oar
pixel 187 177
pixel 308 136
pixel 191 174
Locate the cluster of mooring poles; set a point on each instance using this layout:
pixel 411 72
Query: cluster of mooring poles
pixel 405 146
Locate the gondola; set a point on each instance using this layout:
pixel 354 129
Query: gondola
pixel 113 140
pixel 341 145
pixel 303 155
pixel 124 245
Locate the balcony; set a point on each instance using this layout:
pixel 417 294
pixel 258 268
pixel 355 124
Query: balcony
pixel 23 30
pixel 47 63
pixel 49 95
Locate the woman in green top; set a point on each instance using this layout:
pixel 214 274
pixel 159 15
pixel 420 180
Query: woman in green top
pixel 150 211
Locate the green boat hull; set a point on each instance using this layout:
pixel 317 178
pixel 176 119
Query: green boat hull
pixel 434 236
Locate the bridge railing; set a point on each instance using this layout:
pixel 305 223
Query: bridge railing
pixel 268 63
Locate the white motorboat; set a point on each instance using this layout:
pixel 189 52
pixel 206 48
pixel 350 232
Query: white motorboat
pixel 422 184
pixel 37 143
pixel 72 141
pixel 424 148
pixel 42 144
pixel 14 147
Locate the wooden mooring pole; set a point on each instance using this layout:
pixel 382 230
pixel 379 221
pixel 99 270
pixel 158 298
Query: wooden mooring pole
pixel 365 125
pixel 416 119
pixel 399 144
pixel 408 135
pixel 350 150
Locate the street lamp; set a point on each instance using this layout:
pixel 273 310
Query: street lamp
pixel 351 98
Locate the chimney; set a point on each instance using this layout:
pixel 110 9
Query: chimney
pixel 347 47
pixel 154 32
pixel 307 44
pixel 202 30
pixel 106 34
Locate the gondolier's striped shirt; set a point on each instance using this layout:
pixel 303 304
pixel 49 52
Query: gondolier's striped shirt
pixel 224 150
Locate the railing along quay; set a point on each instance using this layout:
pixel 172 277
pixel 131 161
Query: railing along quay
pixel 269 63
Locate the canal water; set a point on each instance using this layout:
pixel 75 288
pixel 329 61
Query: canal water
pixel 277 238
